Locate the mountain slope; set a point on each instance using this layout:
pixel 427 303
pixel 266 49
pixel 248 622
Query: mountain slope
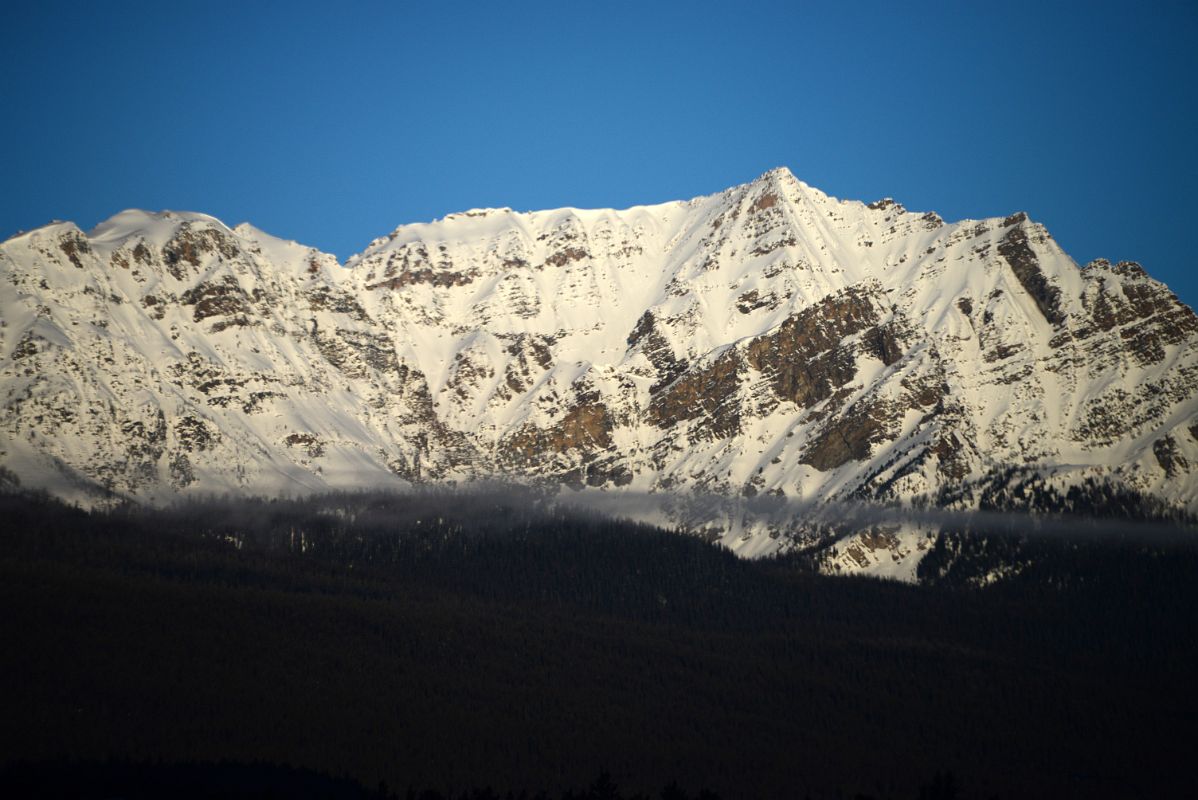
pixel 768 339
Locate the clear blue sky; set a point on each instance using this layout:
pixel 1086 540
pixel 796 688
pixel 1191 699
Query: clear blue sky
pixel 332 123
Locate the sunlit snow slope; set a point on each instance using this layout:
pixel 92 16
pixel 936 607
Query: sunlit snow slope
pixel 766 339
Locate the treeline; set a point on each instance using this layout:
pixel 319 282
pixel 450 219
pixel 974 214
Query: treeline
pixel 502 545
pixel 1087 538
pixel 447 640
pixel 199 781
pixel 1025 490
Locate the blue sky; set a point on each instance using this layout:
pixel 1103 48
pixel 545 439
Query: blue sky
pixel 332 123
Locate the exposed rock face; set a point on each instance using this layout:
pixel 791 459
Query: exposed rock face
pixel 767 341
pixel 1016 249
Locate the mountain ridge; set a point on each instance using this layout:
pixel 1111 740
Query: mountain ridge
pixel 766 339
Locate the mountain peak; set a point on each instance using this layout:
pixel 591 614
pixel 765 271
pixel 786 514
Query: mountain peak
pixel 777 174
pixel 153 225
pixel 781 179
pixel 766 339
pixel 476 213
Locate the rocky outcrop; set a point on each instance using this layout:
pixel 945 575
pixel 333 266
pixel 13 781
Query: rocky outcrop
pixel 1016 249
pixel 766 342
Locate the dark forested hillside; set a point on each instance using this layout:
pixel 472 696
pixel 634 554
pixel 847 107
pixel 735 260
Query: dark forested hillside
pixel 452 642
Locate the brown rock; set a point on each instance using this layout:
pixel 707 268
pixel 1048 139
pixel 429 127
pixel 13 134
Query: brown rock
pixel 224 298
pixel 1169 457
pixel 1018 253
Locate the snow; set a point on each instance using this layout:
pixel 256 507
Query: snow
pixel 484 296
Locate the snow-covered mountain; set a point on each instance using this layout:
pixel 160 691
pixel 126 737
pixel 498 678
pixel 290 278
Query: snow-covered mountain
pixel 766 340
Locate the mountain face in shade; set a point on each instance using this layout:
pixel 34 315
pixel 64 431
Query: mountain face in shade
pixel 768 340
